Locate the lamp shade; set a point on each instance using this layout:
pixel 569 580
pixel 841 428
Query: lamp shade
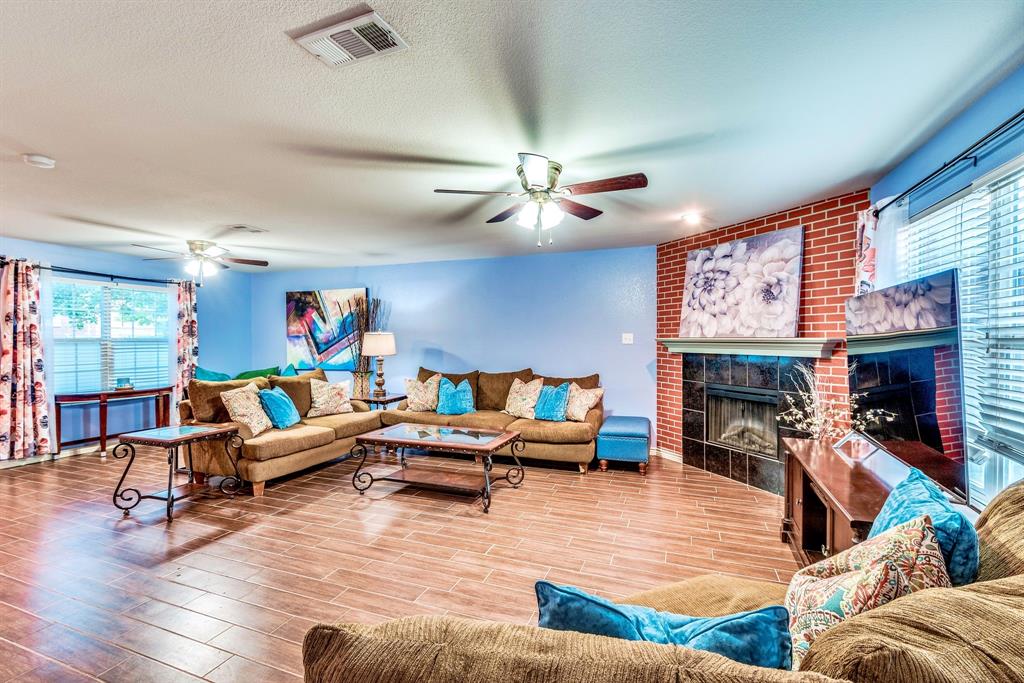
pixel 378 344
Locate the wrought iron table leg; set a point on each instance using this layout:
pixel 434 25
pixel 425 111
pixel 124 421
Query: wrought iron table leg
pixel 515 475
pixel 231 484
pixel 360 480
pixel 487 483
pixel 191 473
pixel 125 499
pixel 401 457
pixel 172 464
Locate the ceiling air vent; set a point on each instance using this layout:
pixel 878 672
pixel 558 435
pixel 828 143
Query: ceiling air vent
pixel 352 41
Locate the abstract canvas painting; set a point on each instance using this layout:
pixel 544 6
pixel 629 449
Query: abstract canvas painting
pixel 745 288
pixel 322 328
pixel 923 304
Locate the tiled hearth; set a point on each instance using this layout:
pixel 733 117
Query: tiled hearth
pixel 769 377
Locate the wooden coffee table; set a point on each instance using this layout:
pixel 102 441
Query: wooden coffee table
pixel 482 443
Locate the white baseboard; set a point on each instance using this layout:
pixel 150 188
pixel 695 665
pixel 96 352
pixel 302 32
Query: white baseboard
pixel 667 454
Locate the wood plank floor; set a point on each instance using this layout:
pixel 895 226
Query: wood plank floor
pixel 227 591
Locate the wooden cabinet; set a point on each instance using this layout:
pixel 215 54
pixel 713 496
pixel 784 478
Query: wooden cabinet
pixel 831 501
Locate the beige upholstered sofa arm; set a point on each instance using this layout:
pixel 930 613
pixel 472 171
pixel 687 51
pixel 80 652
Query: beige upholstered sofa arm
pixel 185 412
pixel 360 407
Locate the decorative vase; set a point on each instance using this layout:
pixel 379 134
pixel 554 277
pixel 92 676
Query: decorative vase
pixel 361 383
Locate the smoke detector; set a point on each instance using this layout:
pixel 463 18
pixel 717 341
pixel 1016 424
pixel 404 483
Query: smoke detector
pixel 356 40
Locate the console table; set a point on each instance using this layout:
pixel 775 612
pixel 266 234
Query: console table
pixel 161 408
pixel 831 501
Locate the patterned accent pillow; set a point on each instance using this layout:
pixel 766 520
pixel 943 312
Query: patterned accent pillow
pixel 244 407
pixel 423 395
pixel 581 401
pixel 522 398
pixel 327 398
pixel 905 559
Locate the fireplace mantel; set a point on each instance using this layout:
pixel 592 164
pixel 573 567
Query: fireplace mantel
pixel 794 347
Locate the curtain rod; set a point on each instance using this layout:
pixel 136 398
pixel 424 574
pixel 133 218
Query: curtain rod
pixel 75 271
pixel 962 156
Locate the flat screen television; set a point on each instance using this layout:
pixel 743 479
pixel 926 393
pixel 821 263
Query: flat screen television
pixel 906 386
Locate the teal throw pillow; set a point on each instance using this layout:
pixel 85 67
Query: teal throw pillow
pixel 759 638
pixel 264 372
pixel 279 407
pixel 455 400
pixel 552 403
pixel 289 371
pixel 918 495
pixel 210 376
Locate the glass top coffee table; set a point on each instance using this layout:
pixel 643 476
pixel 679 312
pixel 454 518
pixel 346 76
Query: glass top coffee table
pixel 482 443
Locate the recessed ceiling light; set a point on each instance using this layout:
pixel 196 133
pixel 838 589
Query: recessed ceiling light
pixel 692 217
pixel 39 160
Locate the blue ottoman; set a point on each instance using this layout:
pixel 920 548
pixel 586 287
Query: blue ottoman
pixel 626 439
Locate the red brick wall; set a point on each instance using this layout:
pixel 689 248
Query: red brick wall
pixel 948 409
pixel 828 280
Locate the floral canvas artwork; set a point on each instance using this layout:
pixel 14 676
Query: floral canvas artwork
pixel 744 288
pixel 922 304
pixel 322 328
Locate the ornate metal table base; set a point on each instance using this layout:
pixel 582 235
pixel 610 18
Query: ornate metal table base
pixel 126 498
pixel 456 482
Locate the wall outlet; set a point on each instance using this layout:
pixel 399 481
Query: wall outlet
pixel 627 337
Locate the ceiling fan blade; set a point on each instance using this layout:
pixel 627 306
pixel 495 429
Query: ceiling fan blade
pixel 506 214
pixel 632 181
pixel 169 251
pixel 244 261
pixel 578 210
pixel 167 258
pixel 483 192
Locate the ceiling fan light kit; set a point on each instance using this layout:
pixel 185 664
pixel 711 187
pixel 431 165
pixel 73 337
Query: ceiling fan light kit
pixel 545 202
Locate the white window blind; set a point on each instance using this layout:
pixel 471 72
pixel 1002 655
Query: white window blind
pixel 105 331
pixel 982 234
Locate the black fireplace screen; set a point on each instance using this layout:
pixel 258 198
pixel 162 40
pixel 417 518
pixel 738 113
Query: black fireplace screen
pixel 743 420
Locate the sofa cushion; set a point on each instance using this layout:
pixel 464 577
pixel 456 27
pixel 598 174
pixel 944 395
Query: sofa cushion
pixel 455 399
pixel 297 387
pixel 758 637
pixel 1001 535
pixel 551 403
pixel 946 635
pixel 472 377
pixel 205 375
pixel 279 407
pixel 395 416
pixel 453 650
pixel 280 442
pixel 244 407
pixel 346 424
pixel 205 397
pixel 492 387
pixel 482 419
pixel 542 431
pixel 422 396
pixel 328 399
pixel 522 398
pixel 711 595
pixel 261 372
pixel 588 382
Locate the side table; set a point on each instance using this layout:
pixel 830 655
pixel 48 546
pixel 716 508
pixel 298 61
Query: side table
pixel 171 439
pixel 381 401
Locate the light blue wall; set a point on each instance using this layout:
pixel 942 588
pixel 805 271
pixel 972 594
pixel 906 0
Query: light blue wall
pixel 224 323
pixel 561 314
pixel 996 106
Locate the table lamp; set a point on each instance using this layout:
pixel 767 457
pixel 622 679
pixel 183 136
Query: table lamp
pixel 379 344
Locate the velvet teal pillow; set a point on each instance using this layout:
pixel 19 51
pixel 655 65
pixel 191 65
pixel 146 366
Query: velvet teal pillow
pixel 289 371
pixel 552 402
pixel 211 376
pixel 262 372
pixel 454 400
pixel 918 495
pixel 759 638
pixel 279 407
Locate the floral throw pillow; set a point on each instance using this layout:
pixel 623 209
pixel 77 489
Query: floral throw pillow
pixel 522 398
pixel 581 401
pixel 328 399
pixel 422 396
pixel 905 559
pixel 244 407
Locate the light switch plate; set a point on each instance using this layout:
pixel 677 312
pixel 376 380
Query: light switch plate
pixel 627 337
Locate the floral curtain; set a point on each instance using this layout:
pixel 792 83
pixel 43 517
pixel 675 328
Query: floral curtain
pixel 24 414
pixel 867 254
pixel 188 338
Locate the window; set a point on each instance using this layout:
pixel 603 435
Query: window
pixel 982 234
pixel 104 331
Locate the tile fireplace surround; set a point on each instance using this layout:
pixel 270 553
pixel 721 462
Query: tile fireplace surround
pixel 762 379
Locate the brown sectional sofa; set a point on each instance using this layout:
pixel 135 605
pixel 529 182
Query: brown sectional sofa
pixel 557 441
pixel 939 635
pixel 277 452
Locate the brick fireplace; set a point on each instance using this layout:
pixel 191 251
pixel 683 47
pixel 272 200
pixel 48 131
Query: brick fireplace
pixel 827 281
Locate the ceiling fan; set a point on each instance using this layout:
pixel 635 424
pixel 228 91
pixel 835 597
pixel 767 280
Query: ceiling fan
pixel 547 203
pixel 204 258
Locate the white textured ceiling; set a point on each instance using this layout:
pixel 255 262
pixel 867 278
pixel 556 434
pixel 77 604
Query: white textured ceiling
pixel 171 120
